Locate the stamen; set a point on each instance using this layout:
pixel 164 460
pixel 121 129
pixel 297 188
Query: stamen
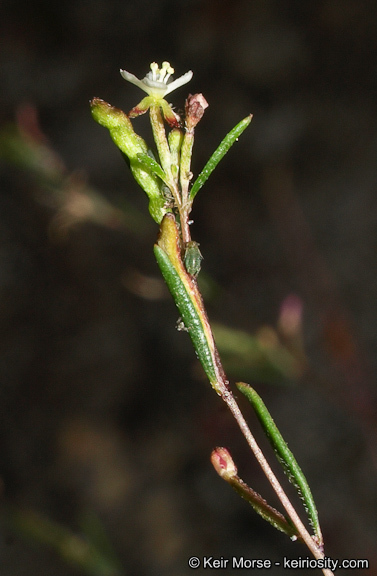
pixel 162 73
pixel 168 71
pixel 155 70
pixel 155 83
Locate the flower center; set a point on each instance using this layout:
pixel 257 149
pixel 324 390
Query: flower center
pixel 160 74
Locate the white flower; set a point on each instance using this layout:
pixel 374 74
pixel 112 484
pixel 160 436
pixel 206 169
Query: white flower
pixel 155 83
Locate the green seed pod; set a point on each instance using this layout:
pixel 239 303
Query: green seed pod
pixel 193 258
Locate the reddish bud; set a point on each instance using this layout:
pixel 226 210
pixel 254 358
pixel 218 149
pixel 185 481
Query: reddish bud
pixel 223 463
pixel 195 106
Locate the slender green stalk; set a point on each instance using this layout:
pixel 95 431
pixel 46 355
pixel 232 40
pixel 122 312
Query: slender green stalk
pixel 160 139
pixel 175 138
pixel 162 144
pixel 185 174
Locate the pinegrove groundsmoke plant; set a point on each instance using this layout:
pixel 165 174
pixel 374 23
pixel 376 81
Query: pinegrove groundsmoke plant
pixel 167 180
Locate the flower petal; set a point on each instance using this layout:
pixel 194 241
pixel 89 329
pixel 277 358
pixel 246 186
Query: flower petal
pixel 132 78
pixel 179 82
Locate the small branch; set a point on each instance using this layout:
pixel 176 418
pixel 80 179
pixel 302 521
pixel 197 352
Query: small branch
pixel 189 301
pixel 235 410
pixel 225 467
pixel 160 139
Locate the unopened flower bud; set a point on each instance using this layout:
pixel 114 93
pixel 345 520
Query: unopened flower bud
pixel 195 106
pixel 223 463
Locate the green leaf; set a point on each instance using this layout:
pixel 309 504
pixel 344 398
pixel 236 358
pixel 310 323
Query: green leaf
pixel 188 311
pixel 152 165
pixel 261 507
pixel 186 296
pixel 284 455
pixel 132 146
pixel 218 154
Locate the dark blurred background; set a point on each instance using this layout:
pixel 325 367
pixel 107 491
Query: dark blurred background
pixel 107 422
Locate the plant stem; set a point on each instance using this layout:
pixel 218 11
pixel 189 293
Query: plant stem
pixel 163 149
pixel 186 151
pixel 222 388
pixel 188 299
pixel 229 399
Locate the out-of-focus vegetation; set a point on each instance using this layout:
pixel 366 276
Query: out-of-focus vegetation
pixel 94 412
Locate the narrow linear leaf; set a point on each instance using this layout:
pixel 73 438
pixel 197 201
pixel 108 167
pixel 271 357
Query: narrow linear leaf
pixel 185 295
pixel 150 163
pixel 284 456
pixel 261 507
pixel 218 154
pixel 226 469
pixel 187 310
